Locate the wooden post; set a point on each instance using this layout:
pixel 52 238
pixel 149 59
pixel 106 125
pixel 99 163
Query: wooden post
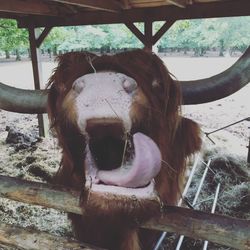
pixel 148 31
pixel 37 74
pixel 148 39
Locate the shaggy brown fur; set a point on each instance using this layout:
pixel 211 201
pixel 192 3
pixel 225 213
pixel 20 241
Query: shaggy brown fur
pixel 154 112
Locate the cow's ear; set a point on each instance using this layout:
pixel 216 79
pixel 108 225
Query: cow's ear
pixel 188 137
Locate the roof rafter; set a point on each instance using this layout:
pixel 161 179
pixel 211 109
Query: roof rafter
pixel 170 13
pixel 29 7
pixel 107 5
pixel 179 3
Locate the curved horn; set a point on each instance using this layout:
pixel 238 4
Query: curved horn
pixel 218 86
pixel 23 101
pixel 194 92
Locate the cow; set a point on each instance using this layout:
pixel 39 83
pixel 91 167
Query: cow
pixel 117 119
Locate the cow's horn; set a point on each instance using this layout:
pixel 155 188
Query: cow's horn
pixel 194 92
pixel 23 101
pixel 218 86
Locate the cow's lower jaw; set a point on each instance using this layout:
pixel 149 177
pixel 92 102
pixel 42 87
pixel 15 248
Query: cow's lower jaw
pixel 122 193
pixel 128 168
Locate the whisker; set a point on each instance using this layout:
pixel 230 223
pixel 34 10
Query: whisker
pixel 112 108
pixel 89 59
pixel 124 150
pixel 169 166
pixel 90 187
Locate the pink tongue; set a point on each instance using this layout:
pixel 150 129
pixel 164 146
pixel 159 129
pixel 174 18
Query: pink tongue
pixel 146 165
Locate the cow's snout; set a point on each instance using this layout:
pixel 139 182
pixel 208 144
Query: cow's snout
pixel 103 101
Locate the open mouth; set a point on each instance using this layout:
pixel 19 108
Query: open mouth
pixel 120 160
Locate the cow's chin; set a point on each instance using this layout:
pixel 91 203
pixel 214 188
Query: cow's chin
pixel 123 166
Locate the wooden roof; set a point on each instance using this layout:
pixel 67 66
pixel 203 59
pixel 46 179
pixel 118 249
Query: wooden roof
pixel 47 13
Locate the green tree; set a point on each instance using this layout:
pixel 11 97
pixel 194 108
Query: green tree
pixel 12 38
pixel 203 34
pixel 55 38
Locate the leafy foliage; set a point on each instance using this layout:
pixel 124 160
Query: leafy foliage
pixel 202 34
pixel 219 34
pixel 12 38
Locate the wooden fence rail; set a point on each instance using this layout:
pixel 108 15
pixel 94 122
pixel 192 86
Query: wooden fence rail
pixel 220 229
pixel 32 239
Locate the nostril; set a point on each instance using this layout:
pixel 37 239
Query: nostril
pixel 78 86
pixel 129 85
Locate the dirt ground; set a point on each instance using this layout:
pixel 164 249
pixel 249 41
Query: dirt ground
pixel 33 158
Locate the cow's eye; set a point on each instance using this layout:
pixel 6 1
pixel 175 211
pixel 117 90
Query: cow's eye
pixel 78 86
pixel 129 85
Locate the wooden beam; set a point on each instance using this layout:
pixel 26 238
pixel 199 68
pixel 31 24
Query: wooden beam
pixel 136 31
pixel 178 3
pixel 224 230
pixel 148 29
pixel 37 74
pixel 165 27
pixel 126 4
pixel 107 5
pixel 232 232
pixel 196 10
pixel 28 7
pixel 42 36
pixel 28 238
pixel 148 3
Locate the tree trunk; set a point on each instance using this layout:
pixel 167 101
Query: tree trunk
pixel 54 51
pixel 18 57
pixel 29 53
pixel 222 48
pixel 49 52
pixel 7 54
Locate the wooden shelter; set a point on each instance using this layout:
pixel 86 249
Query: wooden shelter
pixel 46 14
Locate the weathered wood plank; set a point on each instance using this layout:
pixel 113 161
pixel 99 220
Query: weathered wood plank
pixel 28 7
pixel 179 3
pixel 107 5
pixel 32 239
pixel 42 194
pixel 197 10
pixel 224 230
pixel 220 229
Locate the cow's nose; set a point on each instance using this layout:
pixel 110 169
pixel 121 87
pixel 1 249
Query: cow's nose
pixel 101 127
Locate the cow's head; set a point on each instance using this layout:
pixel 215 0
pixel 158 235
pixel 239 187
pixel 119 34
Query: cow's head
pixel 118 123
